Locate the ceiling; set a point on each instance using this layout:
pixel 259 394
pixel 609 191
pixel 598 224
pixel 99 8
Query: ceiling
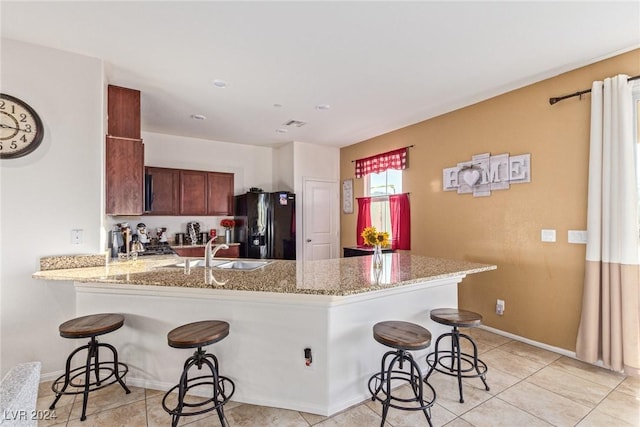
pixel 379 65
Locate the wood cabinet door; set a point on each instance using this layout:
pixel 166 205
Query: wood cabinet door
pixel 193 192
pixel 232 252
pixel 165 191
pixel 219 193
pixel 124 176
pixel 195 252
pixel 123 112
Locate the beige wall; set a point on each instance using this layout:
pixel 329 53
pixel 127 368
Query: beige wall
pixel 541 283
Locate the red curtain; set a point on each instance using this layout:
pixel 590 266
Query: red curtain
pixel 364 217
pixel 400 221
pixel 396 159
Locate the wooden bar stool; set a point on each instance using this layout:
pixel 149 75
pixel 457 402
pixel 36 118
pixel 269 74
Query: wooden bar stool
pixel 198 335
pixel 90 327
pixel 403 337
pixel 454 362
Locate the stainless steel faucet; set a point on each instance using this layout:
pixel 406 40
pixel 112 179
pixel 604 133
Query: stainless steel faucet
pixel 210 251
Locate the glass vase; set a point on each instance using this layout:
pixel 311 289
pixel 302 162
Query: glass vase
pixel 377 256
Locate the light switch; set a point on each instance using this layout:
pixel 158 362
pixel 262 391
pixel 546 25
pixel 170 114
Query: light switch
pixel 577 236
pixel 548 235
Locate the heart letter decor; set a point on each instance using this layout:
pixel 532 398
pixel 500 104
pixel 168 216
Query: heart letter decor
pixel 471 177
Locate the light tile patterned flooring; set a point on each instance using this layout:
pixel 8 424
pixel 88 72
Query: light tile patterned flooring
pixel 529 387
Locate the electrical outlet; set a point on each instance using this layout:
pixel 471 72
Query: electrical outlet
pixel 308 358
pixel 548 235
pixel 76 237
pixel 577 236
pixel 500 307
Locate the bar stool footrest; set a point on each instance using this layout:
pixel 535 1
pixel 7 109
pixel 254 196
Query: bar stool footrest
pixel 379 393
pixel 81 371
pixel 224 384
pixel 473 367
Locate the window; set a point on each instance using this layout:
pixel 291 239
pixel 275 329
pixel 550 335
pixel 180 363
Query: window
pixel 379 186
pixel 384 206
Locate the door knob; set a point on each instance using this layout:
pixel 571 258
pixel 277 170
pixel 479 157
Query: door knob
pixel 308 240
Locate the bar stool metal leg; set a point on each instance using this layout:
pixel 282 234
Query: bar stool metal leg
pixel 218 383
pixel 455 362
pixel 92 365
pixel 388 372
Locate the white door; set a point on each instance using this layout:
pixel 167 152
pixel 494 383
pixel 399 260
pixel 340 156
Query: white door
pixel 320 219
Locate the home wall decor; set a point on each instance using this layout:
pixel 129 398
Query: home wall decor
pixel 485 173
pixel 347 196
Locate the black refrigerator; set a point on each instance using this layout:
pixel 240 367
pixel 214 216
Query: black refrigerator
pixel 266 227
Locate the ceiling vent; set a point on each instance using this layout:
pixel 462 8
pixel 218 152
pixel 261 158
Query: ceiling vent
pixel 296 123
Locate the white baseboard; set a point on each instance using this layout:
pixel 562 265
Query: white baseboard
pixel 538 344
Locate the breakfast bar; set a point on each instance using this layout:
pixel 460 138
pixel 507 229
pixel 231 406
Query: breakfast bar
pixel 276 310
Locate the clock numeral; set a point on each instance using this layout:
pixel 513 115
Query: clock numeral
pixel 2 107
pixel 27 127
pixel 23 118
pixel 12 146
pixel 23 138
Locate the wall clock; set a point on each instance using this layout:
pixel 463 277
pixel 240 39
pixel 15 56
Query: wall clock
pixel 347 196
pixel 21 128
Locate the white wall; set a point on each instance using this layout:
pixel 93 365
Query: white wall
pixel 250 164
pixel 45 195
pixel 311 161
pixel 283 173
pixel 315 161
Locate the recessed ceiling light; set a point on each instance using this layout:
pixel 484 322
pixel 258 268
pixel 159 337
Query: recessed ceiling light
pixel 277 105
pixel 322 107
pixel 220 83
pixel 281 130
pixel 198 117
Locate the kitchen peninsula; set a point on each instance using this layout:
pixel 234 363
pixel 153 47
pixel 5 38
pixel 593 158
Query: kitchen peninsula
pixel 275 312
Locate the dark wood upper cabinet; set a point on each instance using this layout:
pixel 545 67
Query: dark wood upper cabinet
pixel 206 193
pixel 124 176
pixel 219 193
pixel 193 192
pixel 165 191
pixel 174 191
pixel 124 156
pixel 124 112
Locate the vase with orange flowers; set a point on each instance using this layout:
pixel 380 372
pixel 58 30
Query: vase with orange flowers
pixel 228 224
pixel 377 239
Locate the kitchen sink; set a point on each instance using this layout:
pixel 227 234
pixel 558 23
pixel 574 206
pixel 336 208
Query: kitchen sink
pixel 242 265
pixel 193 263
pixel 226 264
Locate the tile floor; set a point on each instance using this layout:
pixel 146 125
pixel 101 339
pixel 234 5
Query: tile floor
pixel 529 387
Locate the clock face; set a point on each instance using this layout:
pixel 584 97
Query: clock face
pixel 21 129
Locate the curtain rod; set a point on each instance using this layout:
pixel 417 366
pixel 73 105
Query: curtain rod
pixel 385 196
pixel 580 93
pixel 408 146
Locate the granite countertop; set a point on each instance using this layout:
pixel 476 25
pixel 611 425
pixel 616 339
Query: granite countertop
pixel 337 277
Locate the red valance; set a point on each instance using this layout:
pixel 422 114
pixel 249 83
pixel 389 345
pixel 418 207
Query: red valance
pixel 396 159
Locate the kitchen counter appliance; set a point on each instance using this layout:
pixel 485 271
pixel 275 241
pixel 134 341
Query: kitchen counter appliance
pixel 158 249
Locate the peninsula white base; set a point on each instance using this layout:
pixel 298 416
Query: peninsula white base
pixel 264 352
